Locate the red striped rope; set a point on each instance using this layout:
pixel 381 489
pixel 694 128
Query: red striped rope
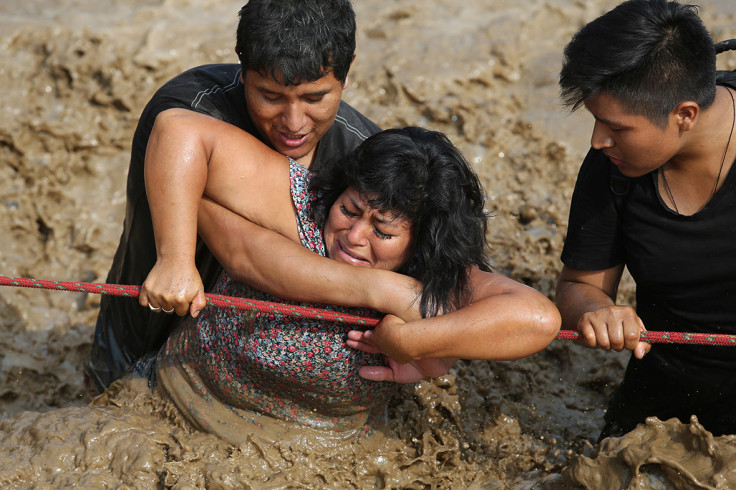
pixel 212 299
pixel 655 337
pixel 319 314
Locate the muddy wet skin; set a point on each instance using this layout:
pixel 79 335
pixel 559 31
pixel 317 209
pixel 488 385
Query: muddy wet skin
pixel 75 77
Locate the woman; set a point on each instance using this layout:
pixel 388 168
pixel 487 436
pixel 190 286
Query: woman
pixel 406 201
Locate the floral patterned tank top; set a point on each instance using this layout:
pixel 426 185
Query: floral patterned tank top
pixel 226 366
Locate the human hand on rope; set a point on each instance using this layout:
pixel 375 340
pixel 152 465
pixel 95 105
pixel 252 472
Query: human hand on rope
pixel 402 367
pixel 614 327
pixel 384 339
pixel 173 286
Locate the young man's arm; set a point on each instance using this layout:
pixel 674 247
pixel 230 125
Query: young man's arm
pixel 586 300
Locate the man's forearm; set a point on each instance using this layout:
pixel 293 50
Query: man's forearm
pixel 580 292
pixel 574 299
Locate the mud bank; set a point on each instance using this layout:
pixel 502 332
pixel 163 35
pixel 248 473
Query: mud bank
pixel 76 75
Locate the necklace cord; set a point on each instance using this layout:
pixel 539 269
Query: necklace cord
pixel 723 159
pixel 728 143
pixel 667 189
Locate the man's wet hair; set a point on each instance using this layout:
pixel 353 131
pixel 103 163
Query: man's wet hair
pixel 296 41
pixel 651 55
pixel 419 175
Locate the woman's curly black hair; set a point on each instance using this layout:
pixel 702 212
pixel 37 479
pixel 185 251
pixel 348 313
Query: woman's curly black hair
pixel 420 176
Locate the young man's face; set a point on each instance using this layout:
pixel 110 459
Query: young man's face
pixel 632 142
pixel 293 118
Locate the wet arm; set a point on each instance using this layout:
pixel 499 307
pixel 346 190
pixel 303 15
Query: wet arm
pixel 284 268
pixel 191 154
pixel 580 292
pixel 175 178
pixel 505 320
pixel 245 177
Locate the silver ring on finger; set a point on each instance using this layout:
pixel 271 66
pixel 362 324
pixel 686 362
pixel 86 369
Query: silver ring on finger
pixel 153 308
pixel 168 311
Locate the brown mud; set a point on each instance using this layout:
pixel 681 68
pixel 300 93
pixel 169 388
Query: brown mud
pixel 75 75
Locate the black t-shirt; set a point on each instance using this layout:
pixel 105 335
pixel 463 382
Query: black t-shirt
pixel 684 266
pixel 126 331
pixel 685 273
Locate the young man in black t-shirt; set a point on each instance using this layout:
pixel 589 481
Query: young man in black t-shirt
pixel 294 61
pixel 664 129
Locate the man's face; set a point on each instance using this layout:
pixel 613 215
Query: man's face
pixel 632 142
pixel 293 118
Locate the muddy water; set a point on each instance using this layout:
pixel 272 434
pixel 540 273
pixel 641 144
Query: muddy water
pixel 75 75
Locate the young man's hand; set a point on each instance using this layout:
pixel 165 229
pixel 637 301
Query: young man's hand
pixel 614 327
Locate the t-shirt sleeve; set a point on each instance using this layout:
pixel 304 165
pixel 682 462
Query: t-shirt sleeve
pixel 594 240
pixel 348 131
pixel 214 90
pixel 211 89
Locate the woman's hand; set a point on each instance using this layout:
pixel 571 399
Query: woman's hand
pixel 614 327
pixel 384 339
pixel 173 286
pixel 403 367
pixel 407 373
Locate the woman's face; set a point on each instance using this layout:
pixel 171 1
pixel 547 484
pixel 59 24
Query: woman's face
pixel 359 235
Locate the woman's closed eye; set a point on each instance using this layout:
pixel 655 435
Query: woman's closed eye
pixel 347 212
pixel 382 235
pixel 354 214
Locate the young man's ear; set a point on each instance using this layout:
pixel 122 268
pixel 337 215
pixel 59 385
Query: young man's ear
pixel 686 114
pixel 347 75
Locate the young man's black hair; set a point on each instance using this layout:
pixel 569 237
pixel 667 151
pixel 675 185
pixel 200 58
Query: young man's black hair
pixel 296 40
pixel 649 54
